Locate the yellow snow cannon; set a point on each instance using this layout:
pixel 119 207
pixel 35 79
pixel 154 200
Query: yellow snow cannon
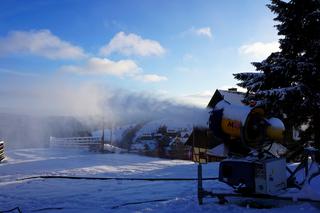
pixel 250 124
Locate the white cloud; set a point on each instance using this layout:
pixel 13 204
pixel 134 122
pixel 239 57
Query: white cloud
pixel 121 68
pixel 151 78
pixel 105 66
pixel 188 57
pixel 132 44
pixel 39 42
pixel 199 99
pixel 201 32
pixel 17 73
pixel 259 50
pixel 203 94
pixel 187 70
pixel 204 31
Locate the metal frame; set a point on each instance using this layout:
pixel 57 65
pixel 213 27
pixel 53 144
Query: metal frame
pixel 308 159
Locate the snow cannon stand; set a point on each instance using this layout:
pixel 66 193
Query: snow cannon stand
pixel 251 169
pixel 264 179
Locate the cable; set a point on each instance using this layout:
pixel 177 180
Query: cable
pixel 112 178
pixel 46 209
pixel 140 202
pixel 113 207
pixel 11 210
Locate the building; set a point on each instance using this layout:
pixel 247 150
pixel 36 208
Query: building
pixel 205 146
pixel 201 142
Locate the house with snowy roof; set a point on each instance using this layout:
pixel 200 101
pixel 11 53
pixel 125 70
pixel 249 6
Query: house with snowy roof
pixel 206 147
pixel 231 95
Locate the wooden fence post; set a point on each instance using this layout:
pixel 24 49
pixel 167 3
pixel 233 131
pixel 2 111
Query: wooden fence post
pixel 200 189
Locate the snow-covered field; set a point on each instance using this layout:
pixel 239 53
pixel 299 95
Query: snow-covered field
pixel 63 195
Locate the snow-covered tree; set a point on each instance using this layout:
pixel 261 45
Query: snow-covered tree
pixel 288 82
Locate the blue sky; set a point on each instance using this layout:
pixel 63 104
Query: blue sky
pixel 180 49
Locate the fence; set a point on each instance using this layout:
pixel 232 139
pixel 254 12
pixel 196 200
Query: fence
pixel 1 150
pixel 74 142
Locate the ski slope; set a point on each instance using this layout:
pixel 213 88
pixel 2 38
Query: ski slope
pixel 64 195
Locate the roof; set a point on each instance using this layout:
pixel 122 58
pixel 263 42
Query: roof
pixel 231 96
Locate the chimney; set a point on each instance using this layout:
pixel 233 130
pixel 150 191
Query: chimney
pixel 233 89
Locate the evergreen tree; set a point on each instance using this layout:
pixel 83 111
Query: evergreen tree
pixel 287 83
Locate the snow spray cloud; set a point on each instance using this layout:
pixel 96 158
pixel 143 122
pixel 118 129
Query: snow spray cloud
pixel 33 108
pixel 89 103
pixel 51 98
pixel 94 102
pixel 129 107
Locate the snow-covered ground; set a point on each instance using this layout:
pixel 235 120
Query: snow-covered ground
pixel 63 195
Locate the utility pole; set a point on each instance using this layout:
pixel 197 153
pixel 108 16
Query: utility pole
pixel 102 137
pixel 111 131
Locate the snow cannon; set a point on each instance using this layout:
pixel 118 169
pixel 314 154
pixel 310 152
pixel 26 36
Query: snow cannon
pixel 231 122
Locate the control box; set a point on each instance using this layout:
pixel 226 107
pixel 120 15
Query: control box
pixel 266 176
pixel 270 176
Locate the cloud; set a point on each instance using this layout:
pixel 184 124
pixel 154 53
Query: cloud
pixel 151 78
pixel 202 98
pixel 121 68
pixel 132 44
pixel 259 50
pixel 16 73
pixel 188 57
pixel 187 70
pixel 199 99
pixel 205 32
pixel 39 42
pixel 203 94
pixel 201 32
pixel 105 66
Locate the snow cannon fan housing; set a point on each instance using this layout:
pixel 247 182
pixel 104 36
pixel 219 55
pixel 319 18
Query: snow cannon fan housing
pixel 249 124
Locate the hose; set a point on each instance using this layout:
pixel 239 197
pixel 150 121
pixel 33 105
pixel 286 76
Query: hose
pixel 11 210
pixel 111 178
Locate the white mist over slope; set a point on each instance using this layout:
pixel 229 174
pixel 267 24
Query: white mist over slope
pixel 50 97
pixel 89 103
pixel 58 97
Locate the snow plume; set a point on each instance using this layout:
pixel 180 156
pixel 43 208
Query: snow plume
pixel 61 98
pixel 127 107
pixel 31 111
pixel 50 98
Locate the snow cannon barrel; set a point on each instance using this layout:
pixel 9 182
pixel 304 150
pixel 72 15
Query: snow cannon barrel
pixel 249 124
